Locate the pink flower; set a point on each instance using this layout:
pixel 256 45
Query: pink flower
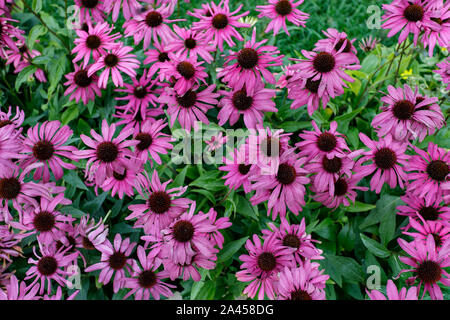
pixel 220 23
pixel 278 11
pixel 19 291
pixel 92 235
pixel 129 8
pixel 216 142
pixel 306 282
pixel 156 58
pixel 436 229
pixel 428 171
pixel 393 293
pixel 238 169
pixel 441 34
pixel 145 281
pixel 10 145
pixel 82 86
pixel 221 223
pixel 114 260
pixel 6 118
pixel 444 71
pixel 46 143
pixel 9 245
pixel 190 270
pixel 305 92
pixel 418 207
pixel 115 60
pixel 251 102
pixel 336 40
pixel 368 44
pixel 123 183
pixel 91 10
pixel 262 265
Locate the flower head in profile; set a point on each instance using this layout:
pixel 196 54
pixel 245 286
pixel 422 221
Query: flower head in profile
pixel 392 293
pixel 306 92
pixel 416 207
pixel 7 118
pixel 336 40
pixel 422 229
pixel 10 145
pixel 444 71
pixel 368 44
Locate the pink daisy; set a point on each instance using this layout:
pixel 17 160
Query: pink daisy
pixel 19 291
pixel 368 44
pixel 46 143
pixel 444 71
pixel 440 35
pixel 305 92
pixel 251 102
pixel 92 235
pixel 123 183
pixel 6 118
pixel 216 142
pixel 10 145
pixel 392 293
pixel 238 169
pixel 262 266
pixel 429 211
pixel 437 230
pixel 156 58
pixel 133 118
pixel 220 224
pixel 190 270
pixel 129 8
pixel 91 10
pixel 336 40
pixel 9 244
pixel 278 11
pixel 81 86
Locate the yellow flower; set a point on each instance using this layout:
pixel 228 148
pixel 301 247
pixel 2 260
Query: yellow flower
pixel 406 74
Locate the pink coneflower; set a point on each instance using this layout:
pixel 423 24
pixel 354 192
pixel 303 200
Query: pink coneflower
pixel 251 64
pixel 444 71
pixel 251 102
pixel 14 188
pixel 220 23
pixel 156 58
pixel 392 293
pixel 285 76
pixel 328 67
pixel 129 8
pixel 427 172
pixel 152 142
pixel 306 282
pixel 9 244
pixel 296 239
pixel 107 154
pixel 92 235
pixel 122 183
pixel 96 41
pixel 19 291
pixel 368 44
pixel 141 94
pixel 436 229
pixel 440 35
pixel 238 169
pixel 429 211
pixel 427 264
pixel 91 10
pixel 191 269
pixel 329 143
pixel 115 60
pixel 8 32
pixel 44 220
pixel 336 40
pixel 114 260
pixel 187 235
pixel 6 118
pixel 344 192
pixel 151 24
pixel 185 72
pixel 286 185
pixel 81 86
pixel 51 265
pixel 190 43
pixel 305 92
pixel 221 223
pixel 146 282
pixel 46 143
pixel 133 118
pixel 162 205
pixel 190 106
pixel 278 11
pixel 216 142
pixel 327 171
pixel 21 58
pixel 262 265
pixel 407 16
pixel 59 295
pixel 10 145
pixel 387 159
pixel 408 115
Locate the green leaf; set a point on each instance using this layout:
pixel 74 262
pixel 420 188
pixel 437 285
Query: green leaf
pixel 35 33
pixel 360 207
pixel 349 116
pixel 37 5
pixel 292 126
pixel 342 268
pixel 73 179
pixel 23 75
pixel 230 249
pixel 69 114
pixel 55 72
pixel 376 248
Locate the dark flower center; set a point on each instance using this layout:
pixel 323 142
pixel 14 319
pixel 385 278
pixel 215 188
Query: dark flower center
pixel 186 69
pixel 4 123
pixel 267 261
pixel 340 187
pixel 93 42
pixel 286 174
pixel 437 170
pixel 120 176
pixel 326 142
pixel 348 45
pixel 87 244
pixel 163 56
pixel 266 147
pixel 413 13
pixel 140 92
pixel 159 202
pixel 71 244
pixel 190 43
pixel 117 260
pixel 244 169
pixel 153 19
pixel 44 221
pixel 403 109
pixel 429 272
pixel 241 101
pixel 111 60
pixel 292 241
pixel 283 7
pixel 107 152
pixel 220 21
pixel 9 188
pixel 147 279
pixel 47 266
pixel 81 79
pixel 247 58
pixel 145 141
pixel 324 62
pixel 188 99
pixel 43 150
pixel 183 231
pixel 300 295
pixel 90 4
pixel 331 165
pixel 85 27
pixel 385 158
pixel 312 85
pixel 429 213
